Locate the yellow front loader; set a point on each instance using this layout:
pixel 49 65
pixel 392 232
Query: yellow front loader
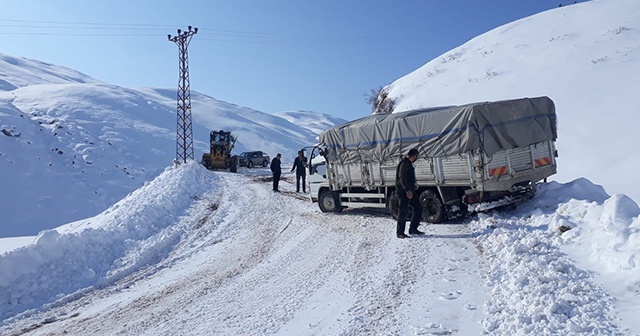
pixel 219 157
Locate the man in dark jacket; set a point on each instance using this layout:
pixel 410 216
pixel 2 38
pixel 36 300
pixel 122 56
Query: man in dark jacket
pixel 406 189
pixel 277 171
pixel 299 165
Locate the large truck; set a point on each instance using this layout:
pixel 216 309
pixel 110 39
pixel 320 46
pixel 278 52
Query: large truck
pixel 472 157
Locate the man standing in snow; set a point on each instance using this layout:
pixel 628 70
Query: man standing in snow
pixel 299 165
pixel 277 171
pixel 405 188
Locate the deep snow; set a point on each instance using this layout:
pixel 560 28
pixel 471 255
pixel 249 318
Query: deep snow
pixel 198 252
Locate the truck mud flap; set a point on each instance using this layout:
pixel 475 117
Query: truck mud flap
pixel 504 203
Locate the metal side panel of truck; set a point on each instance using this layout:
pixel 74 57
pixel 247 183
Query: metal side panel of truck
pixel 454 181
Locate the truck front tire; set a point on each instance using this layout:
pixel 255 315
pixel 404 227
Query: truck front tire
pixel 327 203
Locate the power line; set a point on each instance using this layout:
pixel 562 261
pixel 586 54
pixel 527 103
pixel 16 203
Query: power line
pixel 243 33
pixel 89 23
pixel 75 34
pixel 75 27
pixel 138 29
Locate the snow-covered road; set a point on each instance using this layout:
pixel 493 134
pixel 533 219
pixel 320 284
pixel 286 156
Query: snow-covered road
pixel 240 260
pixel 255 262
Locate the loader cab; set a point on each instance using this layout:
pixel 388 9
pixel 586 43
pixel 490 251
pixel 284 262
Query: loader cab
pixel 220 142
pixel 219 137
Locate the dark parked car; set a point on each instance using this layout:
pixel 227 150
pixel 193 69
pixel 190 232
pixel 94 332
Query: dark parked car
pixel 254 159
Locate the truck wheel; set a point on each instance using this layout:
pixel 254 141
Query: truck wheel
pixel 250 164
pixel 327 203
pixel 265 163
pixel 432 209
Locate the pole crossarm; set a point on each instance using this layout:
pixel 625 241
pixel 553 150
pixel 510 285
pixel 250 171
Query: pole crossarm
pixel 184 129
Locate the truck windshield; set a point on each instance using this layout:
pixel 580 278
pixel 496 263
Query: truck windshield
pixel 320 168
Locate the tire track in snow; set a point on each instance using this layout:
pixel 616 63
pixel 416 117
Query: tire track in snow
pixel 220 287
pixel 382 276
pixel 237 271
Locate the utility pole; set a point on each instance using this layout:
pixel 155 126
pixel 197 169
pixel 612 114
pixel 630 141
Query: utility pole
pixel 184 131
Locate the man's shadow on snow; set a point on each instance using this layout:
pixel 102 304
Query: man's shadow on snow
pixel 455 224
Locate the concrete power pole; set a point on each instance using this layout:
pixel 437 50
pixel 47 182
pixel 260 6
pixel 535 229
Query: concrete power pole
pixel 184 131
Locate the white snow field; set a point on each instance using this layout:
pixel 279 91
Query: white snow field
pixel 101 236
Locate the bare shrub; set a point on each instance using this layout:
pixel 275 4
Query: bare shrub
pixel 380 101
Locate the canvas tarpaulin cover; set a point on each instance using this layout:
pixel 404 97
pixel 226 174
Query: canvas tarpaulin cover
pixel 486 126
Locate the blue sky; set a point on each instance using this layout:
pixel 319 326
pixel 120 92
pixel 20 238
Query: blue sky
pixel 272 56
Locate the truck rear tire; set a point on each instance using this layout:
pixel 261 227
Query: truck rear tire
pixel 327 203
pixel 250 164
pixel 432 208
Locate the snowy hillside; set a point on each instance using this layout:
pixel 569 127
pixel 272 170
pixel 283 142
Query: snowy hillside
pixel 17 72
pixel 71 145
pixel 314 122
pixel 586 57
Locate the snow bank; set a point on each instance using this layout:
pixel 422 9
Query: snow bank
pixel 610 232
pixel 139 230
pixel 536 285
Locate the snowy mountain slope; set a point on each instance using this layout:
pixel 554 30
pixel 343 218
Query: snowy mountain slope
pixel 19 71
pixel 71 146
pixel 255 130
pixel 81 147
pixel 586 57
pixel 194 252
pixel 314 122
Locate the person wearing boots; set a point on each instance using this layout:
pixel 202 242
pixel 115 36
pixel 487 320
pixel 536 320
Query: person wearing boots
pixel 299 165
pixel 406 189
